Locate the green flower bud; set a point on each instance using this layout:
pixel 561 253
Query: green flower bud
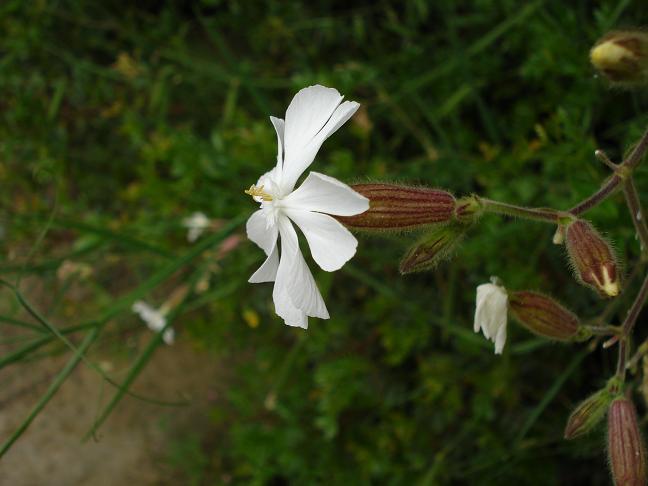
pixel 622 57
pixel 434 247
pixel 544 316
pixel 588 414
pixel 394 207
pixel 626 448
pixel 592 258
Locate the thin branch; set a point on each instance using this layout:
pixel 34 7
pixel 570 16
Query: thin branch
pixel 636 212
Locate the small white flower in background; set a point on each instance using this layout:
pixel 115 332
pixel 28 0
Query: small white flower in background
pixel 196 225
pixel 314 114
pixel 491 313
pixel 154 319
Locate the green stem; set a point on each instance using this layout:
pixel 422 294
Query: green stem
pixel 628 325
pixel 546 215
pixel 636 212
pixel 598 197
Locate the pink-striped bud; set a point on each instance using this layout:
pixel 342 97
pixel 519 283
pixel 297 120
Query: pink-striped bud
pixel 622 57
pixel 626 447
pixel 592 258
pixel 588 414
pixel 544 316
pixel 394 207
pixel 435 246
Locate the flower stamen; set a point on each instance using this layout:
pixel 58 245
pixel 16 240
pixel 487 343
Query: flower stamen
pixel 255 191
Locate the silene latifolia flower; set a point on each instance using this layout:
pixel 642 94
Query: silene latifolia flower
pixel 491 313
pixel 196 225
pixel 154 319
pixel 314 114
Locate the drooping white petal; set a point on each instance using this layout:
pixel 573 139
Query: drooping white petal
pixel 267 272
pixel 326 194
pixel 279 126
pixel 313 115
pixel 258 231
pixel 285 309
pixel 491 314
pixel 331 244
pixel 500 339
pixel 295 287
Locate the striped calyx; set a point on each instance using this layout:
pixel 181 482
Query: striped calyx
pixel 433 247
pixel 394 207
pixel 592 258
pixel 588 414
pixel 544 316
pixel 622 57
pixel 626 448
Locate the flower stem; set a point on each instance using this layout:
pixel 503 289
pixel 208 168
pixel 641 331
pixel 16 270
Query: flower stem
pixel 603 330
pixel 636 212
pixel 598 197
pixel 628 325
pixel 547 215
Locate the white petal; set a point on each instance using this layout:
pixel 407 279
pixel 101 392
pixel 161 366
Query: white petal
pixel 491 314
pixel 325 194
pixel 331 244
pixel 500 339
pixel 258 231
pixel 168 336
pixel 313 115
pixel 291 315
pixel 279 124
pixel 267 272
pixel 295 288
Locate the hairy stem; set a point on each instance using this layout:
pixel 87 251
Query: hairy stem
pixel 628 325
pixel 547 215
pixel 636 212
pixel 610 186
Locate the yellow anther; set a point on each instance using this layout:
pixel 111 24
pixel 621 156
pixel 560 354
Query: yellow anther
pixel 255 191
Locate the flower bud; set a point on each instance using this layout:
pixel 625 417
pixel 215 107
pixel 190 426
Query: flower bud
pixel 394 207
pixel 544 316
pixel 434 247
pixel 588 414
pixel 592 258
pixel 626 448
pixel 622 57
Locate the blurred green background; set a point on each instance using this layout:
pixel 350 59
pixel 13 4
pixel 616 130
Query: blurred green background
pixel 120 120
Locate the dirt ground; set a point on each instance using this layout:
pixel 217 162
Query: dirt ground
pixel 132 446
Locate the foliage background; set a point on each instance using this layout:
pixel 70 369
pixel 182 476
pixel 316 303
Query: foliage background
pixel 120 119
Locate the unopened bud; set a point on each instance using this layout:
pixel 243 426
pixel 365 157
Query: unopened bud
pixel 544 316
pixel 434 247
pixel 626 447
pixel 588 414
pixel 394 207
pixel 622 57
pixel 592 258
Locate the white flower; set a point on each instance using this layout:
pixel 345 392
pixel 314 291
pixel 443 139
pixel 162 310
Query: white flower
pixel 154 319
pixel 196 224
pixel 491 313
pixel 314 114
